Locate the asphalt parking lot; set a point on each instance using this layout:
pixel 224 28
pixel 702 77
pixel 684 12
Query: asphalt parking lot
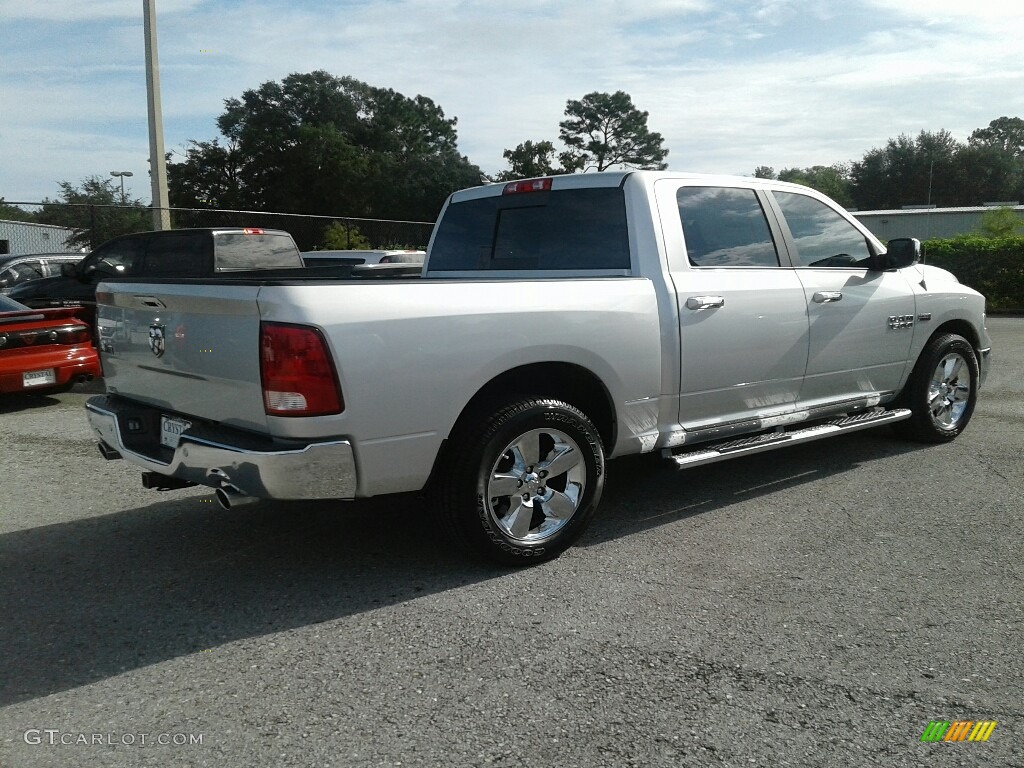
pixel 811 607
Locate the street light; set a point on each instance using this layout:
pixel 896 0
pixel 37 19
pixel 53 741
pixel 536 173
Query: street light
pixel 121 175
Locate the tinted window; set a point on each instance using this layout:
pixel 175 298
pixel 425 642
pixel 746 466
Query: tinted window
pixel 116 259
pixel 10 305
pixel 823 238
pixel 725 227
pixel 570 229
pixel 23 270
pixel 254 251
pixel 178 255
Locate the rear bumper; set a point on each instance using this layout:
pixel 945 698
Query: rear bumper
pixel 68 365
pixel 221 457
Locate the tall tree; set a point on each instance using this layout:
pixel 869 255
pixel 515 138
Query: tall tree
pixel 1005 133
pixel 603 130
pixel 529 159
pixel 764 172
pixel 95 210
pixel 317 143
pixel 908 171
pixel 831 180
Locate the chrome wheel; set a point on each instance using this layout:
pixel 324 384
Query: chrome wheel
pixel 536 485
pixel 949 391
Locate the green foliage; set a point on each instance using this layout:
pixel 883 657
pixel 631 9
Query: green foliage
pixel 993 266
pixel 96 211
pixel 1001 222
pixel 319 144
pixel 833 180
pixel 764 172
pixel 603 130
pixel 1004 133
pixel 529 160
pixel 344 237
pixel 936 168
pixel 14 213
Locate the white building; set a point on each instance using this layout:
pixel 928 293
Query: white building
pixel 20 237
pixel 927 223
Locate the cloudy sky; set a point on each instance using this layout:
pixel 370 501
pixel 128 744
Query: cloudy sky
pixel 730 84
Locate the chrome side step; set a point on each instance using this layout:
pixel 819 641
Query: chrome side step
pixel 769 441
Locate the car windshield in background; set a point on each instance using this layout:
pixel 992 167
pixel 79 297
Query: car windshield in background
pixel 569 229
pixel 10 305
pixel 255 251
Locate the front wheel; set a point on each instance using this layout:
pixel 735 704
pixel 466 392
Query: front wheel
pixel 942 390
pixel 522 487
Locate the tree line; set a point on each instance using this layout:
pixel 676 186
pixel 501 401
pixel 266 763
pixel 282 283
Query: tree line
pixel 317 143
pixel 930 168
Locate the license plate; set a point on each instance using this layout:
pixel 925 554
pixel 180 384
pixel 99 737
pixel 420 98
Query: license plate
pixel 38 378
pixel 171 429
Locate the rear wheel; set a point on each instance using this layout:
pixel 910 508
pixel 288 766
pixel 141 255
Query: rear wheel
pixel 522 488
pixel 942 390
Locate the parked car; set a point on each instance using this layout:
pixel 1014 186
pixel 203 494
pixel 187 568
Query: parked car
pixel 15 269
pixel 168 253
pixel 44 350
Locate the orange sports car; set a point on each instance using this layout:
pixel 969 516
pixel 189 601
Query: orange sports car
pixel 44 350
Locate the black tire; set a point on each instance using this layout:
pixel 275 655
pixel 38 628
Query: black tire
pixel 521 487
pixel 942 390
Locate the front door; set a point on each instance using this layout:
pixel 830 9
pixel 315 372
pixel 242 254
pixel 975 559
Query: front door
pixel 861 319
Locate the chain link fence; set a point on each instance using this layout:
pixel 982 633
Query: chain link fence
pixel 59 227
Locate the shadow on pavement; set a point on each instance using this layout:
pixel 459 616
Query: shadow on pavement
pixel 89 599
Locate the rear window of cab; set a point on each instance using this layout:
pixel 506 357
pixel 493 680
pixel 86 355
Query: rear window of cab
pixel 569 229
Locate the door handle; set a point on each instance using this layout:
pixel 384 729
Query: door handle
pixel 827 297
pixel 704 302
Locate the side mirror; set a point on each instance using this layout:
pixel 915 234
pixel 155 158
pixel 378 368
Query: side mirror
pixel 901 252
pixel 69 270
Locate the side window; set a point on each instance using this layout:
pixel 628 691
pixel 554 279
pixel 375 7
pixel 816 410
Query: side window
pixel 822 237
pixel 116 259
pixel 725 227
pixel 27 270
pixel 177 255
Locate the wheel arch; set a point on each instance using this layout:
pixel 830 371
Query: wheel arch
pixel 556 380
pixel 960 327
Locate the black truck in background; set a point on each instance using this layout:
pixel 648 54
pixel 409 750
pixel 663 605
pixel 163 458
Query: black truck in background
pixel 168 253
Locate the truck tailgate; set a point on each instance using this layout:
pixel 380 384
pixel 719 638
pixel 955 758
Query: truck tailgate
pixel 192 346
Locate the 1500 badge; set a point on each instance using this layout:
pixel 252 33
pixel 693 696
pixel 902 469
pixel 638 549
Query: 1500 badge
pixel 901 321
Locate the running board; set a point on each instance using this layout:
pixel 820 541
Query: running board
pixel 771 440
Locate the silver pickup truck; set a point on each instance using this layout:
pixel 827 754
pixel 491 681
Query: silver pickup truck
pixel 555 323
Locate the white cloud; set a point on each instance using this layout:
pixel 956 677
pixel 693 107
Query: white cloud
pixel 85 10
pixel 730 84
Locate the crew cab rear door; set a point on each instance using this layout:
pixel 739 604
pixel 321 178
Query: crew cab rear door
pixel 861 319
pixel 742 315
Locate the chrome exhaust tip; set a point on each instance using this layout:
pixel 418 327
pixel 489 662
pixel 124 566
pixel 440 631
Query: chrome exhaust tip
pixel 229 498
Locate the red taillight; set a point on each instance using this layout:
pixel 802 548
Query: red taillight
pixel 252 231
pixel 297 372
pixel 532 185
pixel 76 334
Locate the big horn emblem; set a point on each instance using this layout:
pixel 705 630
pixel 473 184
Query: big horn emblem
pixel 156 339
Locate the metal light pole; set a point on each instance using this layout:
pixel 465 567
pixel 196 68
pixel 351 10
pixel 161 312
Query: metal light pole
pixel 157 162
pixel 121 175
